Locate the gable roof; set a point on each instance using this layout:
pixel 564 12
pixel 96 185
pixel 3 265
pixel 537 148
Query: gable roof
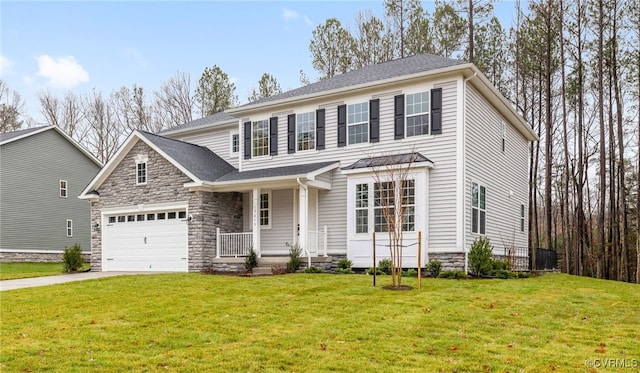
pixel 198 160
pixel 9 137
pixel 381 71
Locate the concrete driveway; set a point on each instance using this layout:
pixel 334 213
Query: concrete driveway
pixel 61 279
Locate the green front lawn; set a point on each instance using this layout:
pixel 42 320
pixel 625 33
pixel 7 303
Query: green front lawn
pixel 11 271
pixel 317 322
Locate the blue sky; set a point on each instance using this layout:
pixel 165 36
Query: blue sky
pixel 79 45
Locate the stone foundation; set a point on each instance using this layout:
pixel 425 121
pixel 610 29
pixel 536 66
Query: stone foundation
pixel 450 261
pixel 26 257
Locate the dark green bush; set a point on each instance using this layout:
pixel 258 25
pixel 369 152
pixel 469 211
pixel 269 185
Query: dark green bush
pixel 72 258
pixel 294 258
pixel 313 269
pixel 499 265
pixel 434 267
pixel 345 263
pixel 410 273
pixel 453 274
pixel 480 260
pixel 369 271
pixel 347 270
pixel 385 266
pixel 505 273
pixel 251 261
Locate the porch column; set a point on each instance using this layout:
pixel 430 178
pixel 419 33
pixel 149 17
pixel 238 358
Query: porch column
pixel 256 221
pixel 303 214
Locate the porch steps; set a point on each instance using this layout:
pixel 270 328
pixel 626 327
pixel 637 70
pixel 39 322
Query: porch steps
pixel 266 263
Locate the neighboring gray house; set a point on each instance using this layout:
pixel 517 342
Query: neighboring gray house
pixel 42 172
pixel 300 167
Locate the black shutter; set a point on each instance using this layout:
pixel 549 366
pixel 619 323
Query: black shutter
pixel 436 111
pixel 374 120
pixel 273 136
pixel 291 133
pixel 320 129
pixel 247 140
pixel 342 125
pixel 398 116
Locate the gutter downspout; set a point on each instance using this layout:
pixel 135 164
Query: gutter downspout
pixel 300 219
pixel 464 167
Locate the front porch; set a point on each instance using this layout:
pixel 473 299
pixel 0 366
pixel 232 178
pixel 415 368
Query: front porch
pixel 238 245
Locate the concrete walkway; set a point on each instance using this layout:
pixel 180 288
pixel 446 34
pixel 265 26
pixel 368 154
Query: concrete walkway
pixel 61 279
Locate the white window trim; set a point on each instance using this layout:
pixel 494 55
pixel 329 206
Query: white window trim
pixel 65 189
pixel 366 122
pixel 406 116
pixel 231 135
pixel 69 228
pixel 269 209
pixel 253 123
pixel 313 117
pixel 142 159
pixel 479 209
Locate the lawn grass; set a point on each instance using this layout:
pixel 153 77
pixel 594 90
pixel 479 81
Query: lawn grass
pixel 11 271
pixel 318 322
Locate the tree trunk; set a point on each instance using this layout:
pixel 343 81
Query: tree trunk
pixel 470 20
pixel 548 141
pixel 566 227
pixel 603 164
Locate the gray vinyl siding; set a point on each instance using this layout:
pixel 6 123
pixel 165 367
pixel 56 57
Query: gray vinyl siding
pixel 332 212
pixel 273 240
pixel 33 216
pixel 219 142
pixel 505 175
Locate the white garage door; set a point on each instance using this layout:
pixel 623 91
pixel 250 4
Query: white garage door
pixel 150 241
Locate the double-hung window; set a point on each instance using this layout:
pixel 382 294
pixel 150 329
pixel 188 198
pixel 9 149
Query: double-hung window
pixel 63 189
pixel 306 131
pixel 235 143
pixel 358 122
pixel 69 228
pixel 417 113
pixel 141 173
pixel 260 139
pixel 388 197
pixel 478 208
pixel 521 218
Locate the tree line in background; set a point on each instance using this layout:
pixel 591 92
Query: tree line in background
pixel 571 68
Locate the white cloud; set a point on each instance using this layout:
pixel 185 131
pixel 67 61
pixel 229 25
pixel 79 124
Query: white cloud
pixel 62 72
pixel 6 66
pixel 292 15
pixel 136 56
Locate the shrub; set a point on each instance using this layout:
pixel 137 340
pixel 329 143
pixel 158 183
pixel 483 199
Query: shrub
pixel 385 266
pixel 505 273
pixel 410 273
pixel 453 274
pixel 294 258
pixel 345 263
pixel 434 267
pixel 369 271
pixel 278 270
pixel 346 270
pixel 499 265
pixel 72 258
pixel 251 261
pixel 313 269
pixel 480 260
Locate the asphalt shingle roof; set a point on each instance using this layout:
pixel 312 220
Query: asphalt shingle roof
pixel 299 169
pixel 10 135
pixel 219 117
pixel 200 161
pixel 388 160
pixel 381 71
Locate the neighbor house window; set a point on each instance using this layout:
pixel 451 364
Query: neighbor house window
pixel 260 138
pixel 362 208
pixel 478 208
pixel 417 114
pixel 264 209
pixel 306 131
pixel 63 189
pixel 504 137
pixel 521 218
pixel 141 173
pixel 69 228
pixel 235 143
pixel 358 122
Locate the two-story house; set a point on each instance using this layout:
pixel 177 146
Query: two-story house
pixel 42 172
pixel 308 166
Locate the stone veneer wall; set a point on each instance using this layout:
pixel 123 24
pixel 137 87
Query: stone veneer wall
pixel 23 257
pixel 165 185
pixel 450 261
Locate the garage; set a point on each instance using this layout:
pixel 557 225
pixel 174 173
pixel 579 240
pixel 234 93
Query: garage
pixel 146 241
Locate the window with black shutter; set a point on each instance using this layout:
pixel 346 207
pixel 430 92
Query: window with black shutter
pixel 273 135
pixel 436 111
pixel 374 120
pixel 291 133
pixel 398 116
pixel 320 129
pixel 342 125
pixel 247 140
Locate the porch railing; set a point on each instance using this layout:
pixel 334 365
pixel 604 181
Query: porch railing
pixel 233 244
pixel 320 240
